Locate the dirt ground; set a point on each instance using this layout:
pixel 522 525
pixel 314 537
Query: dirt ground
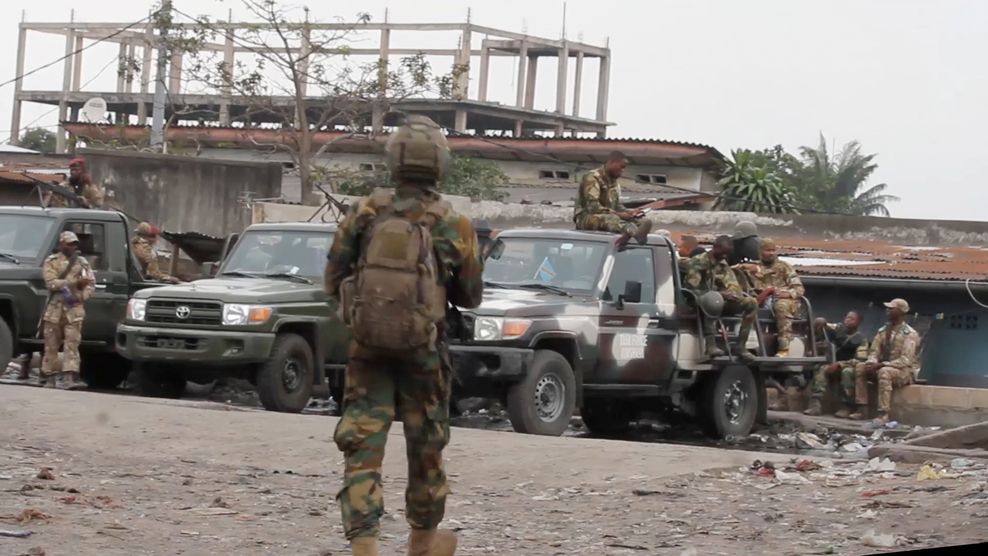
pixel 142 476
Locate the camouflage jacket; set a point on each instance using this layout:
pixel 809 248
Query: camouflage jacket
pixel 704 274
pixel 454 239
pixel 781 276
pixel 899 350
pixel 144 252
pixel 69 302
pixel 599 194
pixel 92 193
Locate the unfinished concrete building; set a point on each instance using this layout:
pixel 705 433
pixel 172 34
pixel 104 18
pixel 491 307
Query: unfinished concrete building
pixel 469 110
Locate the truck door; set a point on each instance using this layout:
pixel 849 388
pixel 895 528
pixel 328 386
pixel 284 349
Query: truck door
pixel 109 301
pixel 635 347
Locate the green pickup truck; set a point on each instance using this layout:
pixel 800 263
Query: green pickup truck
pixel 27 236
pixel 264 318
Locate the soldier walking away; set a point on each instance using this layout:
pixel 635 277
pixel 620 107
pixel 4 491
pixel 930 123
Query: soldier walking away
pixel 69 280
pixel 82 185
pixel 892 360
pixel 142 245
pixel 598 204
pixel 399 256
pixel 709 272
pixel 777 280
pixel 850 349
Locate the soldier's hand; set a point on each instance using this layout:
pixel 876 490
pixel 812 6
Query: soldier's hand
pixel 820 323
pixel 782 295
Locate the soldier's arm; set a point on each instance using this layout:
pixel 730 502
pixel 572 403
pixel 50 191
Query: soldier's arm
pixel 343 254
pixel 862 352
pixel 794 284
pixel 731 284
pixel 94 195
pixel 694 276
pixel 591 194
pixel 876 348
pixel 52 282
pixel 618 206
pixel 85 281
pixel 467 284
pixel 907 353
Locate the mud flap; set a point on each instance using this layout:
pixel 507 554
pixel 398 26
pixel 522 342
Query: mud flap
pixel 762 416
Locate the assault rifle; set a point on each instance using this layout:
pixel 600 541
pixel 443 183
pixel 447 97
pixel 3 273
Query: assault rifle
pixel 65 192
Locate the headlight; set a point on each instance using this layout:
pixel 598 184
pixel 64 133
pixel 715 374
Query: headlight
pixel 136 309
pixel 489 329
pixel 235 314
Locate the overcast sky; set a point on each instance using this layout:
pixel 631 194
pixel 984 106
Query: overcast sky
pixel 907 78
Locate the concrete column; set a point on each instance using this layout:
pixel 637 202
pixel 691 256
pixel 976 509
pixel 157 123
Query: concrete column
pixel 384 56
pixel 226 92
pixel 121 59
pixel 15 114
pixel 175 75
pixel 63 104
pixel 146 70
pixel 518 128
pixel 561 72
pixel 77 66
pixel 533 72
pixel 305 52
pixel 460 121
pixel 603 82
pixel 485 66
pixel 522 59
pixel 462 88
pixel 577 83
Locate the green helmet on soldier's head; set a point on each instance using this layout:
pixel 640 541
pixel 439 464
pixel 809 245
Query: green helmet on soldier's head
pixel 417 150
pixel 745 229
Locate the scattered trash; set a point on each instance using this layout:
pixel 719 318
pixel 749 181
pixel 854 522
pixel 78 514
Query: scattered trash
pixel 219 503
pixel 190 533
pixel 25 516
pixel 98 502
pixel 214 511
pixel 16 533
pixel 791 478
pixel 640 492
pixel 6 477
pixel 877 435
pixel 928 473
pixel 878 541
pixel 873 493
pixel 852 447
pixel 887 505
pixel 892 425
pixel 809 440
pixel 36 551
pixel 763 469
pixel 877 465
pixel 46 474
pixel 962 463
pixel 807 465
pixel 868 514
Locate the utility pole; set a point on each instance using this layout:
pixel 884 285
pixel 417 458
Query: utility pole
pixel 158 108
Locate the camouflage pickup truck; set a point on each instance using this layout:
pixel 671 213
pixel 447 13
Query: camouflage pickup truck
pixel 568 321
pixel 27 236
pixel 264 318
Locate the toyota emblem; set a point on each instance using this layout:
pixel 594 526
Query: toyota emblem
pixel 182 312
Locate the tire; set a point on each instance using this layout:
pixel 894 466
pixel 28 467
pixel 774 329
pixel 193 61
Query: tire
pixel 104 371
pixel 158 381
pixel 543 402
pixel 284 382
pixel 606 417
pixel 6 345
pixel 729 402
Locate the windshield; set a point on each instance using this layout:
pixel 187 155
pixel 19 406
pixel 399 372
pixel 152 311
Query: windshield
pixel 280 252
pixel 569 265
pixel 23 236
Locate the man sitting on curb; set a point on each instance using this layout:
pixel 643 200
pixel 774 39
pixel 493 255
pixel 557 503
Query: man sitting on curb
pixel 892 361
pixel 850 349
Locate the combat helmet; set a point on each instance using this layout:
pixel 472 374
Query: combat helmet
pixel 711 303
pixel 745 229
pixel 417 150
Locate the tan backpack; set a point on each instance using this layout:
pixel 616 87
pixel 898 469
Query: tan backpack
pixel 397 297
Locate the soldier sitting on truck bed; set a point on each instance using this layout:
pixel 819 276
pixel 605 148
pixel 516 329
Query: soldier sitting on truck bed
pixel 775 279
pixel 710 272
pixel 598 205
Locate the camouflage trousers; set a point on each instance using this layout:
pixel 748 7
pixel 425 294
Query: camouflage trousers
pixel 840 383
pixel 785 311
pixel 605 222
pixel 61 334
pixel 888 378
pixel 377 391
pixel 746 307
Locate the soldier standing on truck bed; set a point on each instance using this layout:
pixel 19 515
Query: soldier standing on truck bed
pixel 81 184
pixel 69 280
pixel 145 236
pixel 598 204
pixel 397 258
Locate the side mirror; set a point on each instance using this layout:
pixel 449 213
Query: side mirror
pixel 208 269
pixel 496 250
pixel 632 294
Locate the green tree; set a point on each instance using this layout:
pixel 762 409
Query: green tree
pixel 38 139
pixel 468 177
pixel 839 183
pixel 749 183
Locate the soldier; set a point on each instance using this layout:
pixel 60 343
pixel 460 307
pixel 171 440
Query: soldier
pixel 689 246
pixel 892 360
pixel 81 184
pixel 778 280
pixel 69 280
pixel 745 242
pixel 398 257
pixel 142 245
pixel 598 205
pixel 850 348
pixel 709 272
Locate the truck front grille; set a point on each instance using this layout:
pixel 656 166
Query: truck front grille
pixel 168 311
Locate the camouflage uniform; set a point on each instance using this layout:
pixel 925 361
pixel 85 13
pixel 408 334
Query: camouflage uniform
pixel 143 249
pixel 703 274
pixel 851 349
pixel 417 389
pixel 597 204
pixel 781 276
pixel 895 348
pixel 64 313
pixel 92 193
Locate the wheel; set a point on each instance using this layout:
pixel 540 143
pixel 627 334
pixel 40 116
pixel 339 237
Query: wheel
pixel 6 345
pixel 104 371
pixel 284 382
pixel 729 403
pixel 606 417
pixel 543 402
pixel 159 381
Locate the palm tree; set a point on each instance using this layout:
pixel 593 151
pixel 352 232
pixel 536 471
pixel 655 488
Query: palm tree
pixel 749 186
pixel 838 183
